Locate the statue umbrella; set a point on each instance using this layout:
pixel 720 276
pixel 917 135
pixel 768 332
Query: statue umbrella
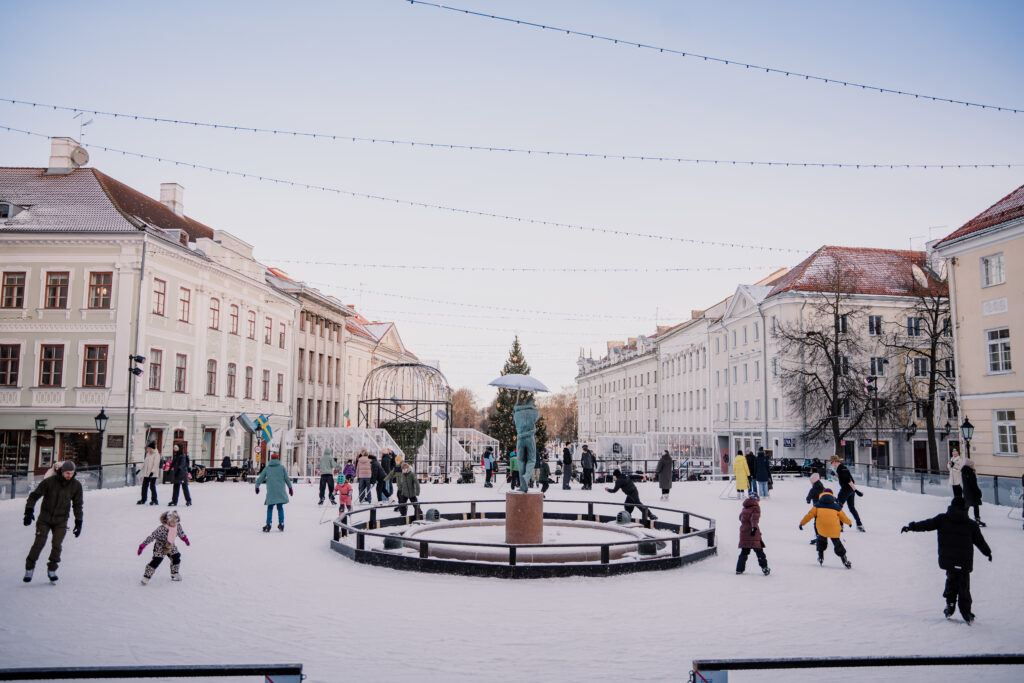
pixel 519 383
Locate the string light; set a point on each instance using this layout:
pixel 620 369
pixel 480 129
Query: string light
pixel 719 60
pixel 525 269
pixel 519 150
pixel 426 205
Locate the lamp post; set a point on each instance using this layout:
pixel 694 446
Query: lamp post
pixel 101 426
pixel 133 371
pixel 967 431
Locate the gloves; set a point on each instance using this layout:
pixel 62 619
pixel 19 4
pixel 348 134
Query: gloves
pixel 78 528
pixel 185 540
pixel 257 490
pixel 290 493
pixel 859 494
pixel 801 527
pixel 29 516
pixel 142 546
pixel 753 531
pixel 990 557
pixel 904 529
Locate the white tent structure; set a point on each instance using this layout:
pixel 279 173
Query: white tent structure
pixel 345 443
pixel 475 443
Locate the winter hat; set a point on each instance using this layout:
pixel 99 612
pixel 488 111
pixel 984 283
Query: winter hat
pixel 828 491
pixel 68 466
pixel 753 496
pixel 617 473
pixel 341 478
pixel 815 477
pixel 959 503
pixel 151 444
pixel 275 456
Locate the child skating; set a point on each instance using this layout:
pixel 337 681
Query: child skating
pixel 750 535
pixel 163 539
pixel 343 491
pixel 828 522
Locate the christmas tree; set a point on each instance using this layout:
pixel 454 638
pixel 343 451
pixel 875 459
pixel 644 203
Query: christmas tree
pixel 501 425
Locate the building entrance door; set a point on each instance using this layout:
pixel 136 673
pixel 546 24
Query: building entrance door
pixel 209 446
pixel 920 456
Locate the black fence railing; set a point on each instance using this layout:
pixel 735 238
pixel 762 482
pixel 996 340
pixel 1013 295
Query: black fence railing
pixel 277 673
pixel 91 477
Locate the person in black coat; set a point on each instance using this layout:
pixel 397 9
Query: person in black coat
pixel 179 471
pixel 751 467
pixel 957 537
pixel 972 492
pixel 566 467
pixel 847 489
pixel 377 475
pixel 625 484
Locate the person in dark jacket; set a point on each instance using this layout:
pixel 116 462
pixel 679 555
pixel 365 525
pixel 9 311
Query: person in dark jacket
pixel 957 537
pixel 379 477
pixel 972 492
pixel 847 489
pixel 762 473
pixel 664 474
pixel 326 466
pixel 179 470
pixel 408 486
pixel 490 466
pixel 812 498
pixel 226 462
pixel 750 535
pixel 544 478
pixel 626 485
pixel 60 494
pixel 566 467
pixel 387 463
pixel 588 463
pixel 752 466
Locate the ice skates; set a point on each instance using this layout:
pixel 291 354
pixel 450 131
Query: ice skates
pixel 28 575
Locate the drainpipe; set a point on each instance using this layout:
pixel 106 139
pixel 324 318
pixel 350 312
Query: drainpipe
pixel 803 406
pixel 129 429
pixel 950 263
pixel 764 364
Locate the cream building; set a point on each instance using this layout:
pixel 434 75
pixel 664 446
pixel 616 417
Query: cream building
pixel 985 260
pixel 618 394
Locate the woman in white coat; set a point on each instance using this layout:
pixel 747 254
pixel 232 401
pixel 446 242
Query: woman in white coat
pixel 150 470
pixel 956 479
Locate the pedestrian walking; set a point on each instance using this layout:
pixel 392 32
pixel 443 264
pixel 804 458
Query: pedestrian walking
pixel 741 472
pixel 972 492
pixel 387 463
pixel 762 473
pixel 489 467
pixel 61 494
pixel 276 477
pixel 751 468
pixel 588 462
pixel 956 479
pixel 150 470
pixel 625 484
pixel 179 475
pixel 847 489
pixel 664 474
pixel 566 467
pixel 408 486
pixel 326 476
pixel 750 535
pixel 163 539
pixel 378 476
pixel 957 538
pixel 829 519
pixel 364 473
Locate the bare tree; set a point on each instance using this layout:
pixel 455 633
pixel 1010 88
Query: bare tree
pixel 559 411
pixel 464 409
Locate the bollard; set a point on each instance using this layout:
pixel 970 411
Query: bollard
pixel 512 556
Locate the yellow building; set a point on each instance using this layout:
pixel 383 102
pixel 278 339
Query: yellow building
pixel 985 261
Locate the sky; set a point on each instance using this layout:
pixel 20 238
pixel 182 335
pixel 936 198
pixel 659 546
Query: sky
pixel 391 70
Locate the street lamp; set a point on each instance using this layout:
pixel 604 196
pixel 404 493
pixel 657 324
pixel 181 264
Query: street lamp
pixel 101 426
pixel 967 431
pixel 133 371
pixel 945 430
pixel 911 430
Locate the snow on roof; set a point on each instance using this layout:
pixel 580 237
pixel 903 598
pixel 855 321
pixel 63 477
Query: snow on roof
pixel 1006 209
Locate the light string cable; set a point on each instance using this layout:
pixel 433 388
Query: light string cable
pixel 426 205
pixel 515 150
pixel 719 60
pixel 528 269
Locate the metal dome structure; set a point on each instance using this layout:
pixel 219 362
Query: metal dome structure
pixel 406 398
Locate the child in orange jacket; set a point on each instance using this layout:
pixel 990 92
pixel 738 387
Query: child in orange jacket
pixel 828 522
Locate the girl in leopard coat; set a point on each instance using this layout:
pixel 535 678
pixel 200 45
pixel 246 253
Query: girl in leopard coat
pixel 163 539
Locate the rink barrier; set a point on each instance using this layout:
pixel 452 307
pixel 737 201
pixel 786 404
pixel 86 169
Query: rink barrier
pixel 717 670
pixel 375 526
pixel 271 673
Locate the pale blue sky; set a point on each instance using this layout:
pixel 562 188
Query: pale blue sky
pixel 388 69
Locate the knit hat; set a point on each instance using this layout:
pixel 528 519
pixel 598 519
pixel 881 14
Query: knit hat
pixel 753 496
pixel 828 491
pixel 68 466
pixel 341 478
pixel 815 477
pixel 959 502
pixel 275 456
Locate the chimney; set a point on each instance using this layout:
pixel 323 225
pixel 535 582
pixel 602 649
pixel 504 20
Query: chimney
pixel 172 195
pixel 65 156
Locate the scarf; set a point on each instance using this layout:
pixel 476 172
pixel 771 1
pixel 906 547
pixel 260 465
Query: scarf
pixel 172 534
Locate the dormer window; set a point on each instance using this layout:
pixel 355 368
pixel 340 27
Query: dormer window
pixel 6 210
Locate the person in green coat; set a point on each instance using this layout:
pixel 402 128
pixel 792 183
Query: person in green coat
pixel 278 482
pixel 408 486
pixel 513 469
pixel 327 475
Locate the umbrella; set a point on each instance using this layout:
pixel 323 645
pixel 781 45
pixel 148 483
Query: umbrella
pixel 520 382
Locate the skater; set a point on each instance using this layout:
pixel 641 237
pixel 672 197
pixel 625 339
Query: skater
pixel 664 474
pixel 326 476
pixel 163 538
pixel 61 494
pixel 150 468
pixel 387 463
pixel 742 474
pixel 408 486
pixel 343 491
pixel 513 470
pixel 957 537
pixel 847 489
pixel 956 481
pixel 972 492
pixel 364 473
pixel 750 535
pixel 378 476
pixel 489 467
pixel 277 482
pixel 566 467
pixel 812 498
pixel 762 473
pixel 226 462
pixel 626 485
pixel 588 462
pixel 829 519
pixel 544 478
pixel 751 468
pixel 179 471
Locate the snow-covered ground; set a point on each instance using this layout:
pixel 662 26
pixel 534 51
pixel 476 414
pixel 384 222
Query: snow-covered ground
pixel 251 597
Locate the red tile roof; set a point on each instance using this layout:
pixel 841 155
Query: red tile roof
pixel 1006 209
pixel 879 272
pixel 131 202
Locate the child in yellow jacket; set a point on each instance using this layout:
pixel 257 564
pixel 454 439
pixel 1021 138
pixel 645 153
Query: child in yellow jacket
pixel 828 522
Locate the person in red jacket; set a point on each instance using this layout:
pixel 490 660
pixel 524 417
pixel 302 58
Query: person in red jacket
pixel 750 535
pixel 343 490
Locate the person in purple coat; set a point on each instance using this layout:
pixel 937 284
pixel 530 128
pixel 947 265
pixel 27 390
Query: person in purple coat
pixel 750 535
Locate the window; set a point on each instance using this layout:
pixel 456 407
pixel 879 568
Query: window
pixel 775 326
pixel 99 289
pixel 337 373
pixel 265 393
pixel 268 331
pixel 330 362
pixel 736 409
pixel 94 370
pixel 214 314
pixel 211 377
pixel 280 387
pixel 57 290
pixel 302 364
pixel 312 356
pixel 952 412
pixel 14 290
pixel 999 350
pixel 233 319
pixel 184 304
pixel 10 357
pixel 757 409
pixel 947 327
pixel 745 377
pixel 948 367
pixel 717 347
pixel 232 371
pixel 281 336
pixel 775 366
pixel 913 327
pixel 733 339
pixel 874 325
pixel 757 331
pixel 5 210
pixel 320 369
pixel 156 361
pixel 180 365
pixel 841 323
pixel 1006 432
pixel 878 365
pixel 51 365
pixel 300 418
pixel 746 410
pixel 744 334
pixel 992 270
pixel 302 326
pixel 844 366
pixel 159 296
pixel 844 408
pixel 920 367
pixel 734 374
pixel 248 381
pixel 252 324
pixel 775 407
pixel 921 410
pixel 718 378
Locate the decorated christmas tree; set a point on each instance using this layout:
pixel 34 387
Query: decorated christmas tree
pixel 501 425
